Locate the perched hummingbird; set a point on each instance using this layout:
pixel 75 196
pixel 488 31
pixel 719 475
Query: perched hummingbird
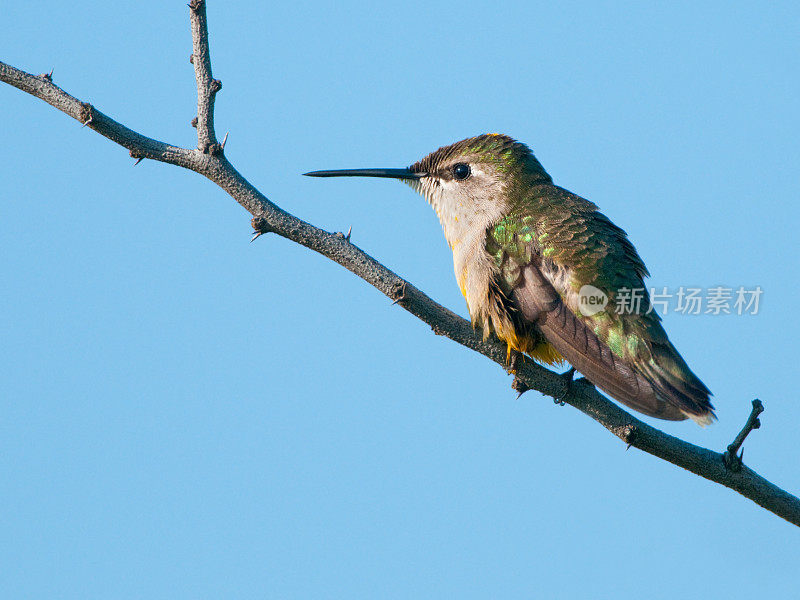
pixel 523 251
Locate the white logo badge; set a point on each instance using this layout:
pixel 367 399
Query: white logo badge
pixel 591 300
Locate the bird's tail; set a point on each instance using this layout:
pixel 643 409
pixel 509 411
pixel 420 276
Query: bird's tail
pixel 614 375
pixel 675 383
pixel 649 376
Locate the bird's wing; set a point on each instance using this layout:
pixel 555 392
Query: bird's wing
pixel 544 259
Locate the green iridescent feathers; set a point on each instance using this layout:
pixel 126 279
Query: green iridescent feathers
pixel 575 246
pixel 506 154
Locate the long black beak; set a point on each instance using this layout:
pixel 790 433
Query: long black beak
pixel 391 173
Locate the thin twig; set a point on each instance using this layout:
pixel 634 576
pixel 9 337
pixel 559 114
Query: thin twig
pixel 207 86
pixel 89 116
pixel 729 457
pixel 268 217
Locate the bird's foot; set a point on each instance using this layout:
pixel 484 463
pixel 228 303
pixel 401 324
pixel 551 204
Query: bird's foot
pixel 514 360
pixel 567 376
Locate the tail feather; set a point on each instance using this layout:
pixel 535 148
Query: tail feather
pixel 584 351
pixel 673 380
pixel 659 384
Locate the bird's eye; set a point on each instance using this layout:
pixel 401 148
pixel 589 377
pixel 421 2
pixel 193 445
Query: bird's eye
pixel 461 171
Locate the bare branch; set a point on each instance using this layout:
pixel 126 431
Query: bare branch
pixel 207 86
pixel 42 87
pixel 731 459
pixel 209 161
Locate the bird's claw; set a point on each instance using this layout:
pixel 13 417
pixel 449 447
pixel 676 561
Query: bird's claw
pixel 567 376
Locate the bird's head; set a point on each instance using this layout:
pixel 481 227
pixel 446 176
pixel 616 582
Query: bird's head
pixel 469 183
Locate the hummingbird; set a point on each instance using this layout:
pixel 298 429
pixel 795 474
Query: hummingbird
pixel 525 251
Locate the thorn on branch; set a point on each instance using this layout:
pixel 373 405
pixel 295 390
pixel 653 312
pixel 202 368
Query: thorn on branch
pixel 193 122
pixel 260 227
pixel 519 386
pixel 87 113
pixel 216 85
pixel 48 76
pixel 138 156
pixel 225 139
pixel 732 460
pixel 398 292
pixel 345 236
pixel 628 435
pixel 191 58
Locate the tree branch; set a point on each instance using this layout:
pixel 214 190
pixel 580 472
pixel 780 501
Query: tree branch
pixel 140 146
pixel 209 161
pixel 207 86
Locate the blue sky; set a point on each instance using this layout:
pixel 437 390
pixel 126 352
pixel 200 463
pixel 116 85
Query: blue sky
pixel 186 415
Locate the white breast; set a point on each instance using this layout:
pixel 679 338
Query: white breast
pixel 465 221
